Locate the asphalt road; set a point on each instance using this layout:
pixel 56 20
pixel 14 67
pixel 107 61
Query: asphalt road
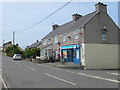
pixel 24 74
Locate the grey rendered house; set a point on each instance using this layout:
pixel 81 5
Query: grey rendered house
pixel 90 40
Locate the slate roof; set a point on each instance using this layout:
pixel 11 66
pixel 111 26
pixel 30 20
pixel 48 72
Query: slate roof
pixel 7 43
pixel 35 45
pixel 70 26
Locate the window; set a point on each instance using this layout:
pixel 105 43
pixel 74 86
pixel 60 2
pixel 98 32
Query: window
pixel 64 37
pixel 44 42
pixel 49 41
pixel 104 35
pixel 76 33
pixel 56 39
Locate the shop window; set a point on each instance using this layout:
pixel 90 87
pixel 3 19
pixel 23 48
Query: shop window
pixel 64 54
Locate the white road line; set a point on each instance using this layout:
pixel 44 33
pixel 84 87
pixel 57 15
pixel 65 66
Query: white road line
pixel 113 73
pixel 116 81
pixel 60 79
pixel 31 68
pixel 50 66
pixel 99 77
pixel 3 82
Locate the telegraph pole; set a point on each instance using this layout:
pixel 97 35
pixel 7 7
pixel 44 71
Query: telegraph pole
pixel 13 37
pixel 3 41
pixel 13 40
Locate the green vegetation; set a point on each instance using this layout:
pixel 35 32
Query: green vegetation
pixel 27 53
pixel 10 51
pixel 32 52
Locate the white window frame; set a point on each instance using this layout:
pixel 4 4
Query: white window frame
pixel 104 35
pixel 44 42
pixel 76 33
pixel 49 41
pixel 56 39
pixel 64 37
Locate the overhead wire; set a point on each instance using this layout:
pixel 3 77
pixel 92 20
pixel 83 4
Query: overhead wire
pixel 44 18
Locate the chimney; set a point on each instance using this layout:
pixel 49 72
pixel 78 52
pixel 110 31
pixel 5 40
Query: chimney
pixel 55 26
pixel 76 16
pixel 101 7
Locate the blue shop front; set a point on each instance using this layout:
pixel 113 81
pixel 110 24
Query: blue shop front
pixel 71 53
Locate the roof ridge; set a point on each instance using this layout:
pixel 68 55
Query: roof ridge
pixel 81 21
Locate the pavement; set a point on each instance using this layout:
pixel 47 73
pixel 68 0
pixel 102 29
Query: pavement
pixel 67 65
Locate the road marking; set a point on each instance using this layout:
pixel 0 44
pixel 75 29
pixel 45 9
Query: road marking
pixel 113 73
pixel 59 79
pixel 50 66
pixel 99 77
pixel 31 68
pixel 3 82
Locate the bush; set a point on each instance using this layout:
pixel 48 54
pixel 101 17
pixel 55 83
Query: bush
pixel 9 54
pixel 32 53
pixel 10 51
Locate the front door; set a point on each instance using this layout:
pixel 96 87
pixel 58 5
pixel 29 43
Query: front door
pixel 76 56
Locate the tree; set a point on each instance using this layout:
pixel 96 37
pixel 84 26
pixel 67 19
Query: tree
pixel 10 51
pixel 28 53
pixel 32 52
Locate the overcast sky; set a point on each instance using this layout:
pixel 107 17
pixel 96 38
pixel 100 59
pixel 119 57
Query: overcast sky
pixel 17 16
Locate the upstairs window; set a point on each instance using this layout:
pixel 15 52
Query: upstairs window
pixel 76 33
pixel 49 41
pixel 56 39
pixel 64 37
pixel 44 43
pixel 104 35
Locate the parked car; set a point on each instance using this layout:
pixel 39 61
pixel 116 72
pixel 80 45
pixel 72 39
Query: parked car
pixel 43 59
pixel 17 57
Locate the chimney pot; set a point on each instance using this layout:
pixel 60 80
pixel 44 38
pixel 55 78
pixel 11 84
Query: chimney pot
pixel 76 16
pixel 55 26
pixel 101 7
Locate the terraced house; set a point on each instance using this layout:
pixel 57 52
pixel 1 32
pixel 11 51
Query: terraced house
pixel 90 40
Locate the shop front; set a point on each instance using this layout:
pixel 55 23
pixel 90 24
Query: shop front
pixel 71 53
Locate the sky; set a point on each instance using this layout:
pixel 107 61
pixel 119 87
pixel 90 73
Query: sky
pixel 17 16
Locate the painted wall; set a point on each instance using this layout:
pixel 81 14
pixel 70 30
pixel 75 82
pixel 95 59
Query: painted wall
pixel 82 54
pixel 101 56
pixel 94 27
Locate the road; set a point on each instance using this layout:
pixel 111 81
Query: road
pixel 24 74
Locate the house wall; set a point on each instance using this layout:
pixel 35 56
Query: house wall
pixel 56 46
pixel 101 56
pixel 69 41
pixel 94 27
